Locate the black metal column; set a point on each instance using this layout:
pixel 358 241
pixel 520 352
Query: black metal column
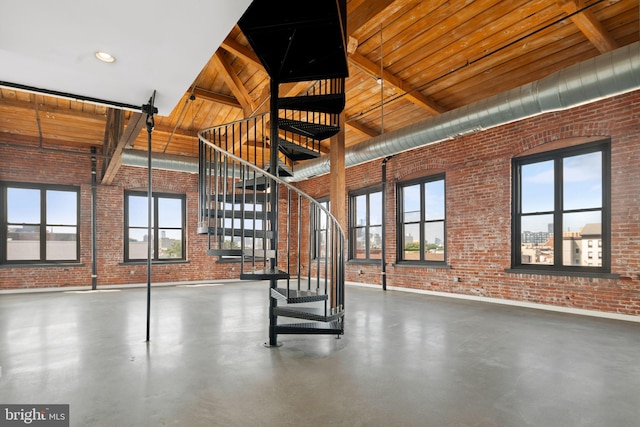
pixel 273 211
pixel 94 250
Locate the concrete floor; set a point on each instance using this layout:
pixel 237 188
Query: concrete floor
pixel 405 360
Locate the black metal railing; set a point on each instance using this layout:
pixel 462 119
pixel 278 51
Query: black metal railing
pixel 243 222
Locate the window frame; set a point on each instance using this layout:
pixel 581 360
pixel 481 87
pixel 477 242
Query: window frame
pixel 155 228
pixel 314 248
pixel 400 223
pixel 558 156
pixel 42 225
pixel 368 191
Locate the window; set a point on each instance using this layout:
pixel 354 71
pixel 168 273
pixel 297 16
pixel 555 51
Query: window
pixel 562 194
pixel 421 220
pixel 366 224
pixel 321 234
pixel 40 223
pixel 167 222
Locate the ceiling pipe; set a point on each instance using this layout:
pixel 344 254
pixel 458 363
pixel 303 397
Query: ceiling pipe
pixel 604 76
pixel 160 161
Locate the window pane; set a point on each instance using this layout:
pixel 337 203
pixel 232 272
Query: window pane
pixel 138 211
pixel 581 230
pixel 582 180
pixel 536 239
pixel 375 242
pixel 138 243
pixel 537 187
pixel 62 243
pixel 170 244
pixel 434 241
pixel 23 206
pixel 375 208
pixel 62 208
pixel 411 240
pixel 23 243
pixel 411 202
pixel 360 244
pixel 169 213
pixel 361 210
pixel 434 200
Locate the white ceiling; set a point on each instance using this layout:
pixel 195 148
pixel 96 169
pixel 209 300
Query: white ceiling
pixel 159 45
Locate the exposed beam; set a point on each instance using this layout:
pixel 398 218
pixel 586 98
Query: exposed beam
pixel 361 129
pixel 364 13
pixel 113 128
pixel 207 95
pixel 588 23
pixel 244 52
pixel 233 81
pixel 134 126
pixel 411 94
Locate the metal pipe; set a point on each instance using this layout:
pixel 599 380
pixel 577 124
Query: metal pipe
pixel 614 73
pixel 94 249
pixel 383 253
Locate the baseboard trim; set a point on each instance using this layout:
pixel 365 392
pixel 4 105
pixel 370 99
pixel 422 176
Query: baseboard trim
pixel 524 304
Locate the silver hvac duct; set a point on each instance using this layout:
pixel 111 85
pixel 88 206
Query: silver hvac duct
pixel 607 75
pixel 160 161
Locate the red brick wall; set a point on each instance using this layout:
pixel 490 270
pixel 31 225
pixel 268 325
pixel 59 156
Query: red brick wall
pixel 478 191
pixel 34 166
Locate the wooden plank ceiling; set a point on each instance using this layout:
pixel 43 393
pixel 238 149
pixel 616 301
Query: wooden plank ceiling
pixel 409 59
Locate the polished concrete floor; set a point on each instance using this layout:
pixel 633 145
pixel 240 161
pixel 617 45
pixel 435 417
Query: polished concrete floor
pixel 405 360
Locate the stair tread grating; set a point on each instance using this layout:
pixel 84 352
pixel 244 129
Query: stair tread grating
pixel 265 274
pixel 307 313
pixel 332 103
pixel 294 296
pixel 329 328
pixel 312 130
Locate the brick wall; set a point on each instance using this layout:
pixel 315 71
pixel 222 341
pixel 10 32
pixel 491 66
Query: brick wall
pixel 56 167
pixel 478 190
pixel 478 185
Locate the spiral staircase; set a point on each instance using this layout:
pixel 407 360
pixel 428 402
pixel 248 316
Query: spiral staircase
pixel 250 214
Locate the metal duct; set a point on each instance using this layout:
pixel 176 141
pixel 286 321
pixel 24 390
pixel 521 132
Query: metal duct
pixel 607 75
pixel 160 161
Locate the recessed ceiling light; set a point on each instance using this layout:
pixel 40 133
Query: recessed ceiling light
pixel 105 57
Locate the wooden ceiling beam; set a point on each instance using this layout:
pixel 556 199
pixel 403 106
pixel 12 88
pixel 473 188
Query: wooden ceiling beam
pixel 411 94
pixel 365 12
pixel 362 129
pixel 136 122
pixel 244 52
pixel 233 81
pixel 113 129
pixel 589 25
pixel 209 96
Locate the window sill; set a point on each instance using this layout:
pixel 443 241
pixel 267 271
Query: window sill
pixel 440 265
pixel 365 261
pixel 162 262
pixel 561 273
pixel 44 265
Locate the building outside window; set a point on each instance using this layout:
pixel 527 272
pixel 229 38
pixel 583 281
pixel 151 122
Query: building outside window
pixel 421 220
pixel 321 234
pixel 40 223
pixel 167 225
pixel 564 193
pixel 365 219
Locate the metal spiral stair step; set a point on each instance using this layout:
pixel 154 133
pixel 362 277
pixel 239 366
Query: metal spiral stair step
pixel 312 130
pixel 265 274
pixel 307 313
pixel 296 151
pixel 311 328
pixel 332 103
pixel 294 296
pixel 236 232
